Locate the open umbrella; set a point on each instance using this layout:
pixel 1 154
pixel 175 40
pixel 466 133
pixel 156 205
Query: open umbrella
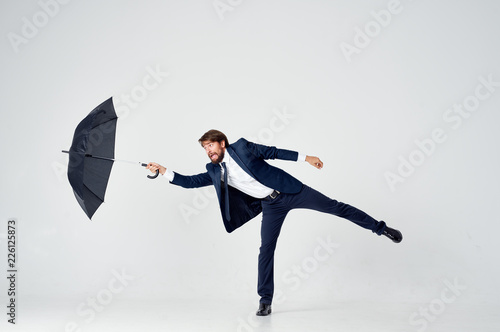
pixel 91 156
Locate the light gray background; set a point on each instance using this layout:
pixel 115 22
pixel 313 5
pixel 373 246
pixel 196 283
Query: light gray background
pixel 236 71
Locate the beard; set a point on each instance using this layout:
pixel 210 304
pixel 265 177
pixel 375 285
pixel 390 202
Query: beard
pixel 219 158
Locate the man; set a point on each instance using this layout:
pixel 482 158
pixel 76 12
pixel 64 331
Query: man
pixel 247 185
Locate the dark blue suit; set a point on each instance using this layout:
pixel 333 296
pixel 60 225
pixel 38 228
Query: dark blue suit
pixel 251 157
pixel 242 207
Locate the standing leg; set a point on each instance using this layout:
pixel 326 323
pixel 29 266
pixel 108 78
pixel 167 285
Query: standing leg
pixel 273 215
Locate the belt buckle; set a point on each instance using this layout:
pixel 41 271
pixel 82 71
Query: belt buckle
pixel 274 194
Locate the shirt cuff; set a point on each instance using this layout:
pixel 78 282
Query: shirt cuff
pixel 169 175
pixel 302 157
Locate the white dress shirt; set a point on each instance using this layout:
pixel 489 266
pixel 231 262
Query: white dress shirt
pixel 239 179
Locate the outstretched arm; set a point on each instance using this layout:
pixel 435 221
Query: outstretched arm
pixel 269 152
pixel 186 181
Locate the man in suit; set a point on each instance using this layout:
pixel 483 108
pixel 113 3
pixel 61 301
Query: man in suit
pixel 247 185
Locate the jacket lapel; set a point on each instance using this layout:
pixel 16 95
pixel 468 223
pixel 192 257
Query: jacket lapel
pixel 236 158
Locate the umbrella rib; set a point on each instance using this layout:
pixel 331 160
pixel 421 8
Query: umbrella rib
pixel 93 193
pixel 115 118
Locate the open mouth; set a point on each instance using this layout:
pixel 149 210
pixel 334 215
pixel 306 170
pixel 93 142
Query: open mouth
pixel 214 156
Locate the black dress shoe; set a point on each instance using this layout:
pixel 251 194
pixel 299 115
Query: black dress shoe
pixel 264 309
pixel 393 234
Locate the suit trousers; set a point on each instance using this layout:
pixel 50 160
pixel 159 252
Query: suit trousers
pixel 273 215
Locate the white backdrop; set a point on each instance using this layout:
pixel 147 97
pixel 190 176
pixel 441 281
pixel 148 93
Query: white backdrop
pixel 398 98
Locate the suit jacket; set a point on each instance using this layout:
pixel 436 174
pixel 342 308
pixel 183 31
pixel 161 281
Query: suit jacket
pixel 251 158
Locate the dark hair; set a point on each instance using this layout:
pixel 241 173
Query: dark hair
pixel 214 136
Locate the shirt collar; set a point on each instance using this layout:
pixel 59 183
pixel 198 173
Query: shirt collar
pixel 227 158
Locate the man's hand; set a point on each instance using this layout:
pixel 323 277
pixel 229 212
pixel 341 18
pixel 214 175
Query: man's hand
pixel 154 166
pixel 314 161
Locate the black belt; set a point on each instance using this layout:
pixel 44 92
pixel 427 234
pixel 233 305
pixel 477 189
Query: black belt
pixel 273 195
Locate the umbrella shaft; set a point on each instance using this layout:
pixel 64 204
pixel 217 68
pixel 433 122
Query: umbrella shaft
pixel 111 159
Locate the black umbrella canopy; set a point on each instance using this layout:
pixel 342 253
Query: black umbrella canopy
pixel 95 135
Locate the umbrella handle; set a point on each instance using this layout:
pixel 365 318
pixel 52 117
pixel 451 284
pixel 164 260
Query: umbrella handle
pixel 154 176
pixel 151 176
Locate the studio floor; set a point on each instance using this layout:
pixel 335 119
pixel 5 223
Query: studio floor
pixel 195 315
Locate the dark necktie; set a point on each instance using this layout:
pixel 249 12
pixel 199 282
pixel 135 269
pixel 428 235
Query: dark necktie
pixel 226 191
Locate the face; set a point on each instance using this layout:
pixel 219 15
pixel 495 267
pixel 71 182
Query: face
pixel 215 150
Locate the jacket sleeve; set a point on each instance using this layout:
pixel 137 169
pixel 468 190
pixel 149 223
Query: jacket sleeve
pixel 270 152
pixel 192 181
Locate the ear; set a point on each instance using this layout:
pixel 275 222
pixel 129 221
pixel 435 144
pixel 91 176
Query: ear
pixel 223 144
